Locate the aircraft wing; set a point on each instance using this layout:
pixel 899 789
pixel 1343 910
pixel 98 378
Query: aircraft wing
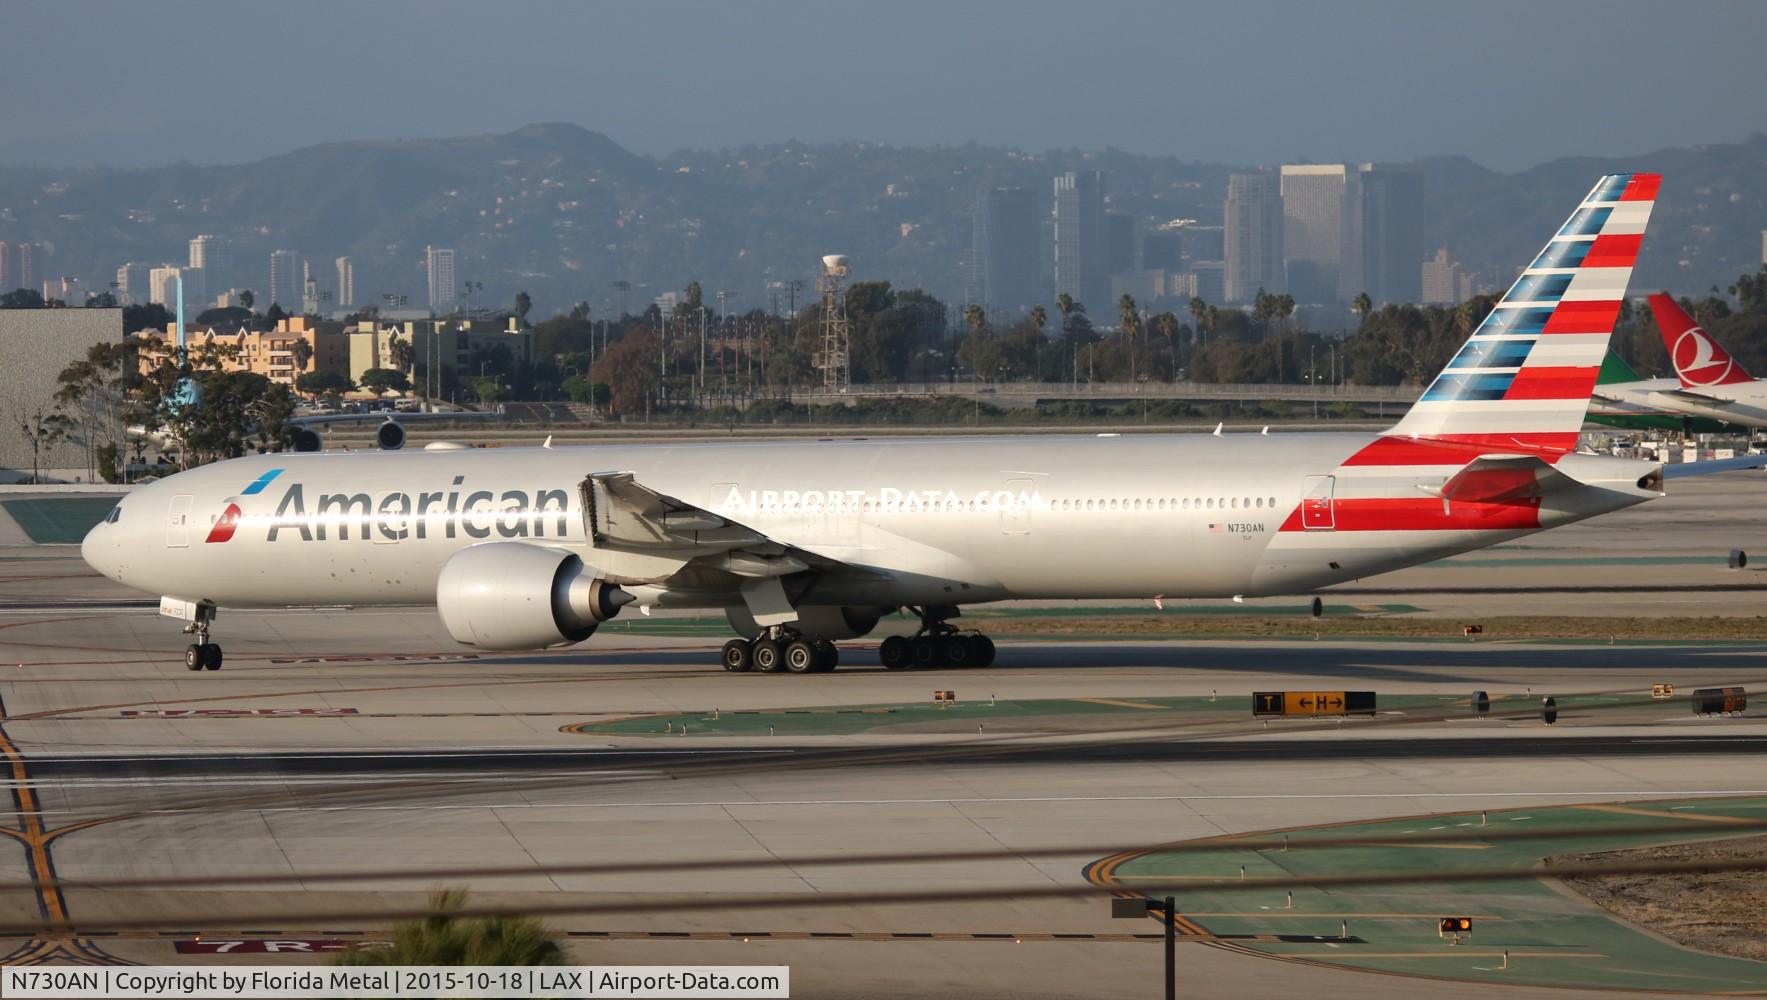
pixel 623 513
pixel 1695 397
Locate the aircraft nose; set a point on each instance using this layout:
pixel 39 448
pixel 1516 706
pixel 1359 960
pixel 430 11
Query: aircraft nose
pixel 100 549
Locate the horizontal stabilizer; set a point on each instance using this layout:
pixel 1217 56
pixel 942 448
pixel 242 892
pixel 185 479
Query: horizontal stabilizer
pixel 1689 469
pixel 1503 479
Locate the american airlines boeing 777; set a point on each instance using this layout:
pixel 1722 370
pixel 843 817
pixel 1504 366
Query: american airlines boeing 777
pixel 802 544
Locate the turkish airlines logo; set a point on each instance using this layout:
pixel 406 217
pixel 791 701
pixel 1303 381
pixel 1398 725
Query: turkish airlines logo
pixel 1699 360
pixel 225 525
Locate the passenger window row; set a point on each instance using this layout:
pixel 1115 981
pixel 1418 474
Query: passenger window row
pixel 1169 503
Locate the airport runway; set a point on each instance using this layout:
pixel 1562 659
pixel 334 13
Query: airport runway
pixel 364 743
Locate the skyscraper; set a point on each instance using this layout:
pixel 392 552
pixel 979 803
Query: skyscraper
pixel 1391 223
pixel 6 252
pixel 1253 236
pixel 132 284
pixel 162 285
pixel 1444 281
pixel 285 279
pixel 23 274
pixel 346 283
pixel 1003 248
pixel 310 296
pixel 441 279
pixel 210 254
pixel 1119 242
pixel 1163 251
pixel 1081 267
pixel 66 290
pixel 1317 200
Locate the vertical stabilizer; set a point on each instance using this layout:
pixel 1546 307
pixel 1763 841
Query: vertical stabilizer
pixel 1699 360
pixel 1523 379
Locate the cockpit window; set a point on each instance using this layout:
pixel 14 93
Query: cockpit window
pixel 115 512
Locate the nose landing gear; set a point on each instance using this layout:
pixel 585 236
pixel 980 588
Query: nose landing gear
pixel 202 654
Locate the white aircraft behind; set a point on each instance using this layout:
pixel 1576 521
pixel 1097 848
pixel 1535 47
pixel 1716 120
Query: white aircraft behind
pixel 1711 383
pixel 805 543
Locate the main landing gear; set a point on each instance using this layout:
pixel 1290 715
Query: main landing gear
pixel 202 654
pixel 780 650
pixel 937 644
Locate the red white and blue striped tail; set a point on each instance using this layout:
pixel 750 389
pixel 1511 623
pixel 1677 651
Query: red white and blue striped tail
pixel 1522 381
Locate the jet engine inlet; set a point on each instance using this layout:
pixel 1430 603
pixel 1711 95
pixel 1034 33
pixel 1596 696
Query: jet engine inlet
pixel 512 595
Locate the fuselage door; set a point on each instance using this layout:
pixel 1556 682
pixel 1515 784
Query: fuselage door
pixel 1015 506
pixel 178 522
pixel 1316 512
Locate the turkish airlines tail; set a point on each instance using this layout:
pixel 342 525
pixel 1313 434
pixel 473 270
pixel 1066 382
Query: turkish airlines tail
pixel 1523 379
pixel 1698 359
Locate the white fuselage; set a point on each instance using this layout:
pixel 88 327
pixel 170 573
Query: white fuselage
pixel 928 520
pixel 1743 404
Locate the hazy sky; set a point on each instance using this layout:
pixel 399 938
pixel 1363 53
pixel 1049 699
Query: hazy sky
pixel 1508 83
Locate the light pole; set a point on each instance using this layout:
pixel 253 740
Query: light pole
pixel 1167 908
pixel 723 333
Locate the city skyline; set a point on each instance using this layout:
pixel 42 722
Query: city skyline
pixel 1155 248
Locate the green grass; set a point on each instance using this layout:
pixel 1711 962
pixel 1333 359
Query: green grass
pixel 1549 929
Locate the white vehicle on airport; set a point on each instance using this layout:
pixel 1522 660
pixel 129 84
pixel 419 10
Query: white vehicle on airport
pixel 802 544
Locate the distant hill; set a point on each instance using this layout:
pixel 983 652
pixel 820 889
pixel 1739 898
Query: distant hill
pixel 563 212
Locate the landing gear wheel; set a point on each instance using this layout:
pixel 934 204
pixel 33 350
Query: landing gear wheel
pixel 828 656
pixel 768 657
pixel 984 650
pixel 957 650
pixel 738 657
pixel 193 657
pixel 924 650
pixel 800 657
pixel 211 656
pixel 895 653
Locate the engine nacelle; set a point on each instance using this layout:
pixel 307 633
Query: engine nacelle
pixel 512 595
pixel 815 621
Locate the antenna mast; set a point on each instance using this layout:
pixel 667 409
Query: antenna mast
pixel 835 357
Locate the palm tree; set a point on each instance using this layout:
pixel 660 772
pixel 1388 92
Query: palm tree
pixel 1126 322
pixel 522 304
pixel 1284 307
pixel 442 938
pixel 1362 306
pixel 1199 312
pixel 1064 304
pixel 400 352
pixel 303 353
pixel 246 298
pixel 976 317
pixel 1039 317
pixel 1168 325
